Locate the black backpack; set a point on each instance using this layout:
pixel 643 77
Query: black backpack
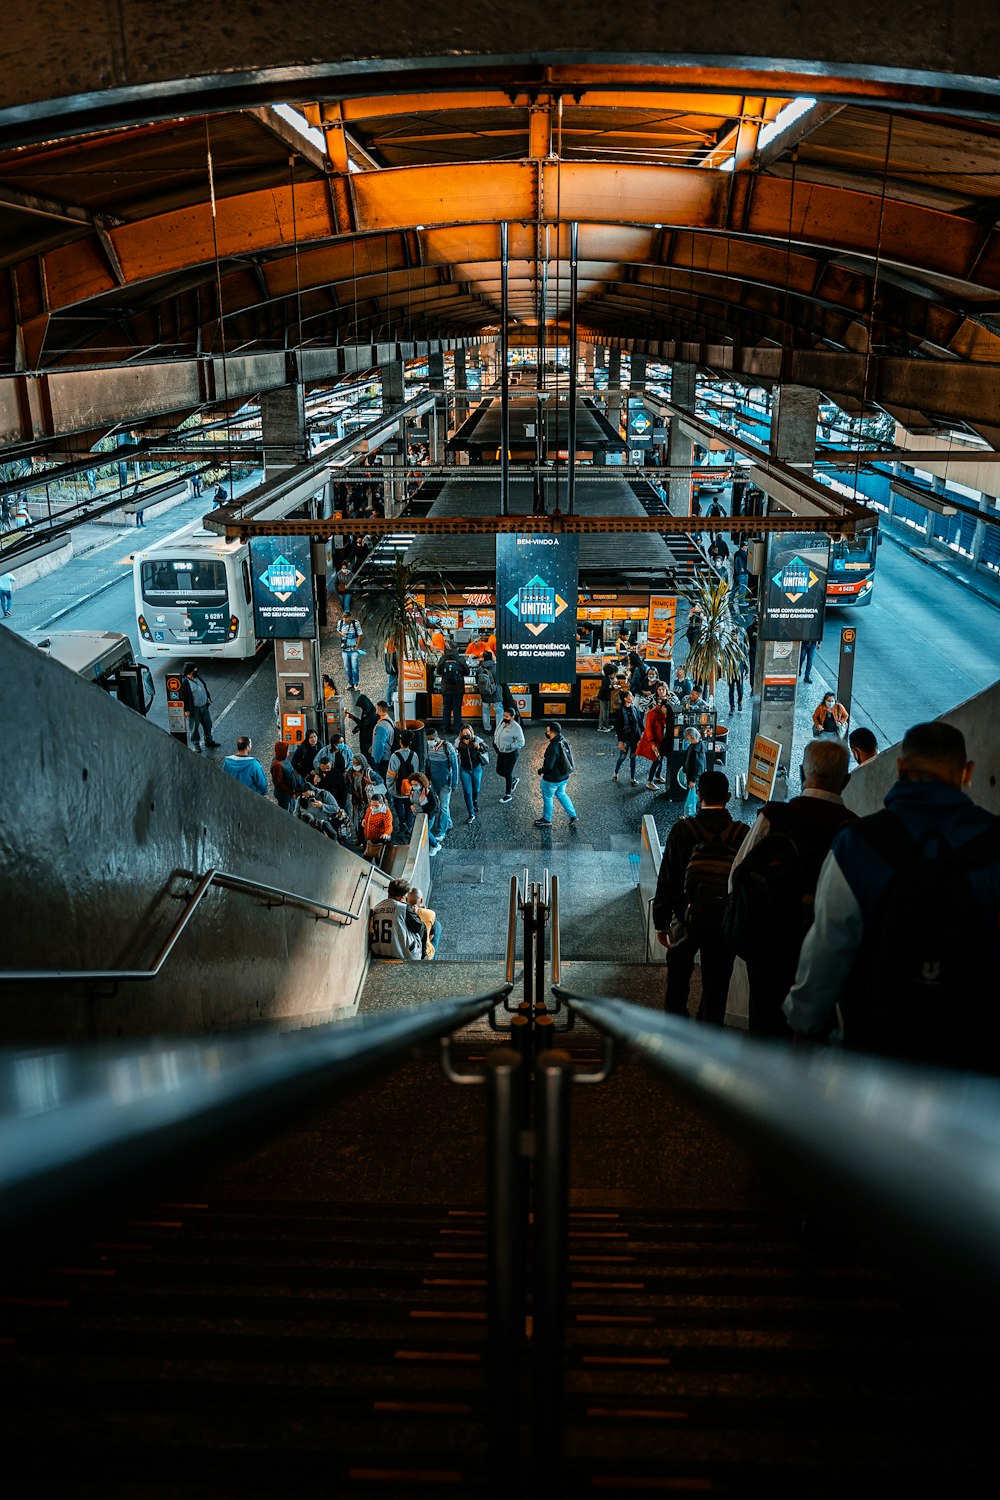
pixel 923 986
pixel 770 907
pixel 452 672
pixel 706 878
pixel 563 762
pixel 486 682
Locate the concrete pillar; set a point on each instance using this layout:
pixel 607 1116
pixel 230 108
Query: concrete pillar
pixel 794 414
pixel 637 380
pixel 283 427
pixel 392 385
pixel 588 363
pixel 682 384
pixel 680 449
pixel 615 387
pixel 461 376
pixel 775 720
pixel 435 370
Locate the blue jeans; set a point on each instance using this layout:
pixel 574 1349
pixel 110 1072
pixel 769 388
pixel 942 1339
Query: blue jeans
pixel 487 720
pixel 6 601
pixel 351 668
pixel 345 601
pixel 470 787
pixel 627 754
pixel 555 790
pixel 391 684
pixel 435 935
pixel 442 818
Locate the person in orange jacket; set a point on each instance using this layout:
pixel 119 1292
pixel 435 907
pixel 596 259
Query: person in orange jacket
pixel 830 717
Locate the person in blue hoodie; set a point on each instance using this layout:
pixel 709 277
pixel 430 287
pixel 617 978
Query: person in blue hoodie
pixel 245 768
pixel 904 949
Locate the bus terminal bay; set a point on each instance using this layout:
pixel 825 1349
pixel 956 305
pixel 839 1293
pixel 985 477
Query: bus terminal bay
pixel 192 595
pixel 505 1115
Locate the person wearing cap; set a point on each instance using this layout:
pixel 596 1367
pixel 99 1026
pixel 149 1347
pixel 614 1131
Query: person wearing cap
pixel 196 699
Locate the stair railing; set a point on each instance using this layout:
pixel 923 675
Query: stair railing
pixel 277 896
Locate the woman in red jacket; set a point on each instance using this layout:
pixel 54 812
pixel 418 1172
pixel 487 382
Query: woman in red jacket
pixel 657 742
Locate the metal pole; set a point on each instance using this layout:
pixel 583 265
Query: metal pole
pixel 504 376
pixel 506 1240
pixel 553 1081
pixel 571 439
pixel 542 272
pixel 529 938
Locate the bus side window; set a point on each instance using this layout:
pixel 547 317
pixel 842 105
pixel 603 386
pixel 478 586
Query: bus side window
pixel 247 587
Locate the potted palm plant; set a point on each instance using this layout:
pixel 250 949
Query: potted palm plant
pixel 393 606
pixel 718 646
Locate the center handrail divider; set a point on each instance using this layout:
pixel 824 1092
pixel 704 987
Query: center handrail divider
pixel 77 1120
pixel 914 1148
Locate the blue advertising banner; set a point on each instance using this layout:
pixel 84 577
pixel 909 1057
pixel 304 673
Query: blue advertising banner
pixel 281 574
pixel 795 583
pixel 537 585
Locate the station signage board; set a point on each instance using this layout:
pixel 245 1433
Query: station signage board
pixel 764 758
pixel 284 606
pixel 661 624
pixel 537 587
pixel 795 576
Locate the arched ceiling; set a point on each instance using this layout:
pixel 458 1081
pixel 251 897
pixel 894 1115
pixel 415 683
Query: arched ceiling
pixel 161 207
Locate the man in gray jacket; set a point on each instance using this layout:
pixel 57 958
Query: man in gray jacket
pixel 196 699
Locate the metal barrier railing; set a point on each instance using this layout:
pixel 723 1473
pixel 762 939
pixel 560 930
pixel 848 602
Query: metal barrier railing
pixel 322 910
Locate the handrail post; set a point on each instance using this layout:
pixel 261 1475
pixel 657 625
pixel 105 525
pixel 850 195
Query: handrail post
pixel 553 1081
pixel 506 1237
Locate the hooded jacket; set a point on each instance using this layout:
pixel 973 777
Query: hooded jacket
pixel 248 770
pixel 285 779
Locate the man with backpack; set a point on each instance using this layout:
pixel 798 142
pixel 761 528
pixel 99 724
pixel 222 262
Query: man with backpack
pixel 906 933
pixel 773 881
pixel 385 740
pixel 403 766
pixel 557 765
pixel 488 689
pixel 451 675
pixel 690 900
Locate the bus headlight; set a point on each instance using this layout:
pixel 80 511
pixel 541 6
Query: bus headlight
pixel 147 634
pixel 234 628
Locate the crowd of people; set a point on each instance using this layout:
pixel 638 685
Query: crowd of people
pixel 881 934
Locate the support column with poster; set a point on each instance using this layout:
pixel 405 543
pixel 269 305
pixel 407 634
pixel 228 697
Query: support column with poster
pixel 536 597
pixel 284 610
pixel 793 607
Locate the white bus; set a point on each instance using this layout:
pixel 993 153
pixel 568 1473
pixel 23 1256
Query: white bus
pixel 104 657
pixel 193 596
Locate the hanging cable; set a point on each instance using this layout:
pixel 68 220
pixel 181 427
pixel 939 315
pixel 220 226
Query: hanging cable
pixel 865 385
pixel 218 297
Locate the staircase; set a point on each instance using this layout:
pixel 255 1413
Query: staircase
pixel 687 555
pixel 311 1319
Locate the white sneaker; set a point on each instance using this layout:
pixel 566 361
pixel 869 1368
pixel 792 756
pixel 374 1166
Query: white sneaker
pixel 507 798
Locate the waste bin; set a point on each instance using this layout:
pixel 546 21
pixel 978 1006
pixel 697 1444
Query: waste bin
pixel 418 730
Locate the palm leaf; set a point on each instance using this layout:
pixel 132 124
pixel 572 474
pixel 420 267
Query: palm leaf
pixel 393 607
pixel 719 650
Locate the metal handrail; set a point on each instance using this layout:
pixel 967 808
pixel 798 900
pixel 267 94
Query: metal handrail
pixel 211 877
pixel 916 1148
pixel 555 940
pixel 511 931
pixel 62 1141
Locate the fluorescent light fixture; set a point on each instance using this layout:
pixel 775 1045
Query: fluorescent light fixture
pixel 301 125
pixel 783 119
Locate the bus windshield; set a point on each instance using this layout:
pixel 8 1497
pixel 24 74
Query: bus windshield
pixel 182 581
pixel 853 554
